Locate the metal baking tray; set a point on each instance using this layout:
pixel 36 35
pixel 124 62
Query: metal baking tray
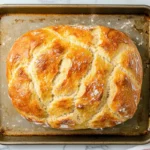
pixel 18 19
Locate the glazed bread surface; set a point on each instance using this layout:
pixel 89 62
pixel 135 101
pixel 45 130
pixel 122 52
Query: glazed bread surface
pixel 75 77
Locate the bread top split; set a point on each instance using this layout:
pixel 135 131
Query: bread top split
pixel 75 77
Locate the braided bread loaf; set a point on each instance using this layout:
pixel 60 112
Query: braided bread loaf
pixel 75 77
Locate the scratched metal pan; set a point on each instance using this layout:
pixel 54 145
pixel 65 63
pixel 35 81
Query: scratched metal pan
pixel 18 19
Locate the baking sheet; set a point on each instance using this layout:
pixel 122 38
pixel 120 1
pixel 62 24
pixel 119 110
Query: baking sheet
pixel 12 26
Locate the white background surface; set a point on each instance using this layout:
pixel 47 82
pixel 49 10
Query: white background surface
pixel 146 2
pixel 75 147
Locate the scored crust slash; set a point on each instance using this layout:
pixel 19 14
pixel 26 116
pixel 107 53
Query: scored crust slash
pixel 75 77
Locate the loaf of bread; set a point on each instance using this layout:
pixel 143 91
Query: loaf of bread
pixel 75 77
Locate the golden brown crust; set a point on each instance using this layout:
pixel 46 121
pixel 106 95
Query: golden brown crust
pixel 46 67
pixel 23 49
pixel 80 60
pixel 75 77
pixel 130 60
pixel 104 119
pixel 23 96
pixel 91 93
pixel 61 107
pixel 75 34
pixel 126 96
